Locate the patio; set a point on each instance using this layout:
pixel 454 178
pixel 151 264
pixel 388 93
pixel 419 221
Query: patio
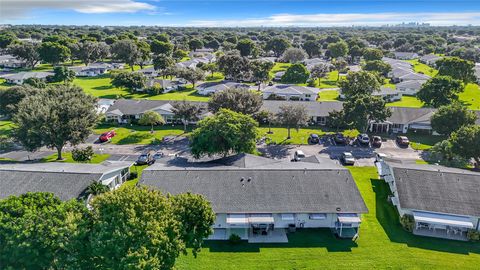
pixel 273 236
pixel 441 233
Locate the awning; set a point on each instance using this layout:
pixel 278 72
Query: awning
pixel 260 218
pixel 288 217
pixel 420 126
pixel 442 219
pixel 107 181
pixel 348 218
pixel 318 216
pixel 237 219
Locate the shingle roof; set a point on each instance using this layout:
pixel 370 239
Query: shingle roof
pixel 274 186
pixel 221 86
pixel 313 108
pixel 438 189
pixel 25 75
pixel 290 89
pixel 139 106
pixel 404 115
pixel 413 84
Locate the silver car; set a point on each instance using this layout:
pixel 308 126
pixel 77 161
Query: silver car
pixel 347 158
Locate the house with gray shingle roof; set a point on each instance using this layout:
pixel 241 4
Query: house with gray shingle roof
pixel 410 87
pixel 65 180
pixel 20 77
pixel 404 119
pixel 430 59
pixel 405 55
pixel 210 88
pixel 92 70
pixel 443 202
pixel 290 92
pixel 258 198
pixel 318 111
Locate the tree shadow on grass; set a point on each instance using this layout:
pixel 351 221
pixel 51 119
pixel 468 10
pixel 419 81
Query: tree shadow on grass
pixel 135 138
pixel 302 238
pixel 388 218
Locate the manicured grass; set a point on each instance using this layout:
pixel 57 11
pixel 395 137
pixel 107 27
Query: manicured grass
pixel 216 77
pixel 139 134
pixel 407 101
pixel 382 244
pixel 423 142
pixel 4 84
pixel 471 96
pixel 6 128
pixel 138 170
pixel 423 68
pixel 97 158
pixel 279 135
pixel 279 67
pixel 328 95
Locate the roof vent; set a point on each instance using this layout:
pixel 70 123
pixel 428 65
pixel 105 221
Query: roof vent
pixel 338 209
pixel 242 179
pixel 249 179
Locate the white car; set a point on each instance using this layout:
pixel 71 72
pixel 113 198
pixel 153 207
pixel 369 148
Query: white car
pixel 299 155
pixel 347 158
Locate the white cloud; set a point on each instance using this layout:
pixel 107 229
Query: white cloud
pixel 15 9
pixel 347 19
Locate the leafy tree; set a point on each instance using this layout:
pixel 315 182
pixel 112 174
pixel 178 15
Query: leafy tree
pixel 63 74
pixel 11 97
pixel 144 52
pixel 439 91
pixel 127 51
pixel 179 54
pixel 311 47
pixel 361 109
pixel 194 44
pixel 191 75
pixel 134 227
pixel 163 62
pixel 211 67
pixel 237 100
pixel 359 83
pixel 234 66
pixel 379 66
pixel 294 55
pixel 456 68
pixel 27 52
pixel 213 44
pixel 296 73
pixel 195 216
pixel 225 132
pixel 53 53
pixel 261 71
pixel 37 229
pixel 371 54
pixel 355 51
pixel 337 120
pixel 151 118
pixel 319 71
pixel 278 45
pixel 129 80
pixel 97 188
pixel 6 39
pixel 338 49
pixel 442 153
pixel 53 117
pixel 161 47
pixel 339 65
pixel 90 52
pixel 465 143
pixel 186 111
pixel 292 115
pixel 245 47
pixel 450 118
pixel 35 82
pixel 82 154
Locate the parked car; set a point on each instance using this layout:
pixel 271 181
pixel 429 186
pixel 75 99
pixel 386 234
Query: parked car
pixel 347 158
pixel 107 136
pixel 376 141
pixel 158 155
pixel 145 159
pixel 313 139
pixel 402 141
pixel 299 155
pixel 340 139
pixel 363 139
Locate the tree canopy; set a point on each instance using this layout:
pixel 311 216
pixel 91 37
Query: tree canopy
pixel 456 68
pixel 360 110
pixel 465 142
pixel 292 116
pixel 187 111
pixel 450 118
pixel 236 99
pixel 439 91
pixel 129 80
pixel 223 133
pixel 296 73
pixel 151 118
pixel 359 83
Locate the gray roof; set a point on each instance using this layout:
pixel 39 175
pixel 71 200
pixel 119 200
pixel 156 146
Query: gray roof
pixel 404 115
pixel 221 86
pixel 27 74
pixel 385 91
pixel 430 57
pixel 65 180
pixel 139 106
pixel 438 189
pixel 412 84
pixel 313 108
pixel 290 89
pixel 405 54
pixel 274 186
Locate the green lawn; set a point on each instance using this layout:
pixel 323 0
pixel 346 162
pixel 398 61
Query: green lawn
pixel 136 134
pixel 328 95
pixel 6 127
pixel 423 142
pixel 407 101
pixel 97 158
pixel 279 135
pixel 138 170
pixel 279 67
pixel 423 68
pixel 216 77
pixel 471 96
pixel 382 244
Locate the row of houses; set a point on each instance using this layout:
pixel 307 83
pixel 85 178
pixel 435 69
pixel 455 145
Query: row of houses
pixel 9 61
pixel 402 120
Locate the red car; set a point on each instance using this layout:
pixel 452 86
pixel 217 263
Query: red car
pixel 107 136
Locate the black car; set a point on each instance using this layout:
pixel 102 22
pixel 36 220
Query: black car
pixel 340 139
pixel 377 141
pixel 313 139
pixel 145 159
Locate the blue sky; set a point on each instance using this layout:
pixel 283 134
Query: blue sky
pixel 238 12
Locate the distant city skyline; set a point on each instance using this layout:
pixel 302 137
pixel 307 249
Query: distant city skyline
pixel 237 13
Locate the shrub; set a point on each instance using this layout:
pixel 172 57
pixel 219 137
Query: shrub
pixel 407 222
pixel 132 175
pixel 82 155
pixel 6 143
pixel 156 89
pixel 96 188
pixel 234 239
pixel 473 235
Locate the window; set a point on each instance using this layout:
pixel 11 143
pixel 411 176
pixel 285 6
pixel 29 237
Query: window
pixel 317 216
pixel 321 120
pixel 288 217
